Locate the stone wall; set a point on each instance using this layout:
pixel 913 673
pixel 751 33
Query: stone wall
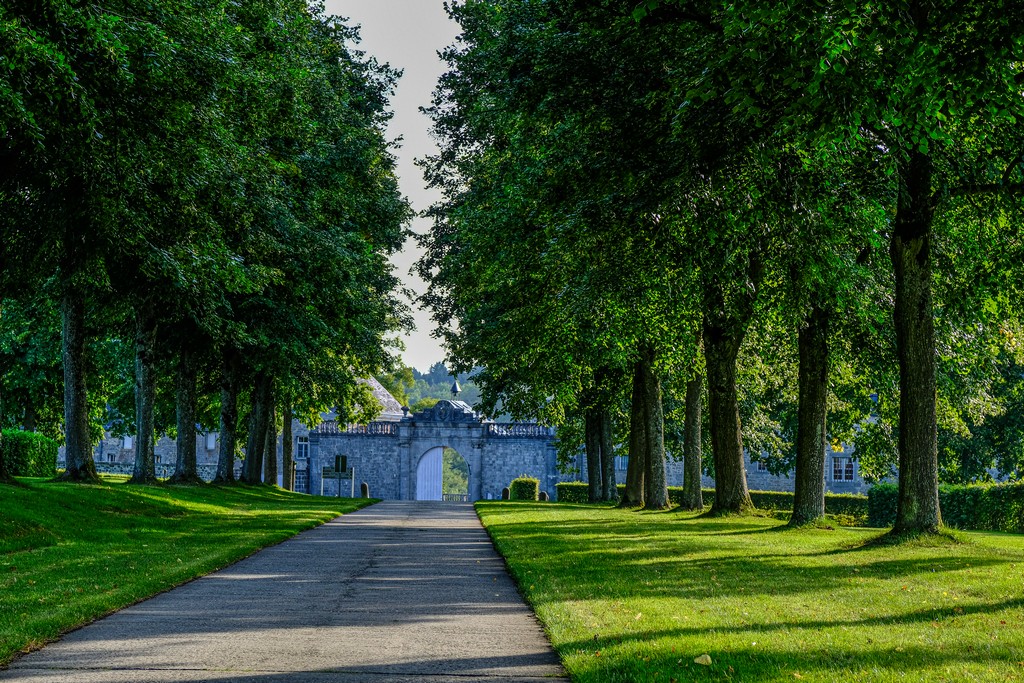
pixel 505 458
pixel 206 472
pixel 757 479
pixel 374 458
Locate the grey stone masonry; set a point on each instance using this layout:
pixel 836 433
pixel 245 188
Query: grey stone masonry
pixel 842 474
pixel 387 455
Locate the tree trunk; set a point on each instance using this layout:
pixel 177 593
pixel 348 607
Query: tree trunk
pixel 917 507
pixel 256 442
pixel 655 486
pixel 270 454
pixel 609 491
pixel 811 440
pixel 185 470
pixel 30 417
pixel 721 347
pixel 77 441
pixel 633 495
pixel 145 397
pixel 693 497
pixel 6 477
pixel 228 420
pixel 287 454
pixel 592 442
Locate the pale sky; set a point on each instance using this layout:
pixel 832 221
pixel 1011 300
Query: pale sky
pixel 407 34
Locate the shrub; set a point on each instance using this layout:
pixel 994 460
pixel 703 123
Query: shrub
pixel 851 508
pixel 882 504
pixel 976 507
pixel 571 492
pixel 27 454
pixel 524 488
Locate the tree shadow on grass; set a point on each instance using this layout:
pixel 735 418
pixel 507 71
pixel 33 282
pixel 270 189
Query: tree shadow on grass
pixel 747 662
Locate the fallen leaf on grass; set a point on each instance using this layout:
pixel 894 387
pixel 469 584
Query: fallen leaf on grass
pixel 704 660
pixel 638 616
pixel 796 674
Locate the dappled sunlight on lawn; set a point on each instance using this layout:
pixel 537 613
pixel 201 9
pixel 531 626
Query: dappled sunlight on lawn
pixel 627 596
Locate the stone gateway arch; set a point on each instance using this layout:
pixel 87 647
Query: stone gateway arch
pixel 399 456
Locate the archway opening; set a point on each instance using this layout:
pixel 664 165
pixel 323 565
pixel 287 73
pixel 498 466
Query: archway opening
pixel 442 474
pixel 454 476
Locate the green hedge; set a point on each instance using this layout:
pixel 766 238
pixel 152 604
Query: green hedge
pixel 524 488
pixel 853 507
pixel 27 454
pixel 978 507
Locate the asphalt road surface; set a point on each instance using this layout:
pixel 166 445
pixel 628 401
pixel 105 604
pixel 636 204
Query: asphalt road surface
pixel 398 591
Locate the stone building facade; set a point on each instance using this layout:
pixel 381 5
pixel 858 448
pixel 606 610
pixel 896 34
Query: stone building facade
pixel 393 455
pixel 842 474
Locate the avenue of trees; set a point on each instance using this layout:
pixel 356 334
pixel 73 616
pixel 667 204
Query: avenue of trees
pixel 704 227
pixel 197 206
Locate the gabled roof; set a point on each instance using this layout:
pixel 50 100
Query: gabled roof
pixel 390 407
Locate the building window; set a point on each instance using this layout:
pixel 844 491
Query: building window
pixel 762 466
pixel 621 462
pixel 842 469
pixel 211 441
pixel 302 448
pixel 111 457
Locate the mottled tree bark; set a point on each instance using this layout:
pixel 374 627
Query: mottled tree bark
pixel 811 440
pixel 721 346
pixel 228 420
pixel 270 453
pixel 287 445
pixel 655 486
pixel 633 495
pixel 693 497
pixel 145 397
pixel 77 441
pixel 255 445
pixel 917 507
pixel 185 470
pixel 6 477
pixel 609 491
pixel 592 444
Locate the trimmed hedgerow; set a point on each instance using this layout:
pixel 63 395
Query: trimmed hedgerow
pixel 524 488
pixel 975 507
pixel 882 505
pixel 27 454
pixel 851 507
pixel 572 492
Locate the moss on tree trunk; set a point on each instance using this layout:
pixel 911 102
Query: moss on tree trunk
pixel 655 485
pixel 633 494
pixel 609 491
pixel 721 346
pixel 77 441
pixel 693 497
pixel 145 397
pixel 228 420
pixel 185 470
pixel 811 441
pixel 917 508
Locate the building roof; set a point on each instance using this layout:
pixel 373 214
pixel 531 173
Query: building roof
pixel 391 409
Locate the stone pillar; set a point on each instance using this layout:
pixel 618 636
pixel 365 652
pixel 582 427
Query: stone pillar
pixel 406 472
pixel 316 470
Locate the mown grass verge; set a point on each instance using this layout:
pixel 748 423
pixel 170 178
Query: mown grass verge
pixel 71 553
pixel 628 596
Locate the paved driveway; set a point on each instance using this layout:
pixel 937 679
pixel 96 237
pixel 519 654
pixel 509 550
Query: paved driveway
pixel 399 591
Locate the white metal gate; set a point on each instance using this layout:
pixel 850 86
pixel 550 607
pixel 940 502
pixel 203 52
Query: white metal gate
pixel 428 475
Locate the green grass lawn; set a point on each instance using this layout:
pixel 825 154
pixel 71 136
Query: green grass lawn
pixel 628 596
pixel 72 553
